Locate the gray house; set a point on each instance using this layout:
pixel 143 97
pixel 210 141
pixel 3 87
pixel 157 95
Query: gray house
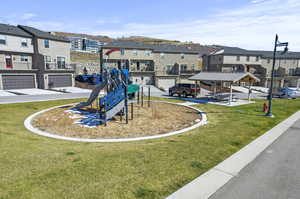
pixel 16 59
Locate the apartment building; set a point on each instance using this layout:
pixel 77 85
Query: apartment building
pixel 16 59
pixel 161 65
pixel 232 59
pixel 51 58
pixel 85 45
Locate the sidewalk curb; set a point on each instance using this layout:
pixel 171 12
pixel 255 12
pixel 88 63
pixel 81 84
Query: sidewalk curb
pixel 208 183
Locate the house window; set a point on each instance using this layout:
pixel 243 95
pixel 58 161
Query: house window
pixel 8 60
pixel 257 58
pixel 24 43
pixel 291 71
pixel 138 66
pixel 24 58
pixel 183 67
pixel 46 44
pixel 47 61
pixel 193 66
pixel 148 52
pixel 61 62
pixel 248 58
pixel 162 55
pixel 134 52
pixel 238 58
pixel 122 52
pixel 182 55
pixel 2 40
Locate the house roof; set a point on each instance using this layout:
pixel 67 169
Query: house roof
pixel 127 44
pixel 42 34
pixel 226 77
pixel 264 54
pixel 173 48
pixel 13 30
pixel 155 47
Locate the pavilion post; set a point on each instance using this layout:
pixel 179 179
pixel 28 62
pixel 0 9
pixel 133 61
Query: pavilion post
pixel 230 97
pixel 215 90
pixel 249 93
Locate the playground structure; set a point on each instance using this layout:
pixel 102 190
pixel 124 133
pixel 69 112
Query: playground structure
pixel 115 84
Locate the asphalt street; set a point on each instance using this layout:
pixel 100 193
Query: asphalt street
pixel 275 174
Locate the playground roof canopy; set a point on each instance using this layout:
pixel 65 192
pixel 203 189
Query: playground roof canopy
pixel 225 77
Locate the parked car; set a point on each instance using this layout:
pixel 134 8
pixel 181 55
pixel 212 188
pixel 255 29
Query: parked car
pixel 184 90
pixel 285 93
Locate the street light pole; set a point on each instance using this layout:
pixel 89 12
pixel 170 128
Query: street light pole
pixel 101 60
pixel 270 96
pixel 269 113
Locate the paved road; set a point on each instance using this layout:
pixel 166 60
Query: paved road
pixel 36 98
pixel 275 174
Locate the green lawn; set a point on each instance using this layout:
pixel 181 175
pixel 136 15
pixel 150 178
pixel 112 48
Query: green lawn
pixel 32 166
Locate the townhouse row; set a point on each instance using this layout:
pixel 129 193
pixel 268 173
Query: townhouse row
pixel 259 63
pixel 31 58
pixel 161 65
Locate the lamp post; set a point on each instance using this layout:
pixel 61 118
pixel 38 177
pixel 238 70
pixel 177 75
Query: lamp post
pixel 270 96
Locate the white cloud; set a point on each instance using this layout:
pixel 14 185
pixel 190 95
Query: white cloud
pixel 47 25
pixel 27 16
pixel 108 21
pixel 258 1
pixel 252 26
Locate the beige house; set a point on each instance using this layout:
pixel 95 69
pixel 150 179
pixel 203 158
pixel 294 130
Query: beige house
pixel 51 58
pixel 31 58
pixel 231 59
pixel 160 65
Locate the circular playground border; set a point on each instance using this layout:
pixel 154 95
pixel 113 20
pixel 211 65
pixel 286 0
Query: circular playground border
pixel 37 131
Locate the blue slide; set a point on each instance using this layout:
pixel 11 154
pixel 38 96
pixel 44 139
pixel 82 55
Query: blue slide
pixel 115 100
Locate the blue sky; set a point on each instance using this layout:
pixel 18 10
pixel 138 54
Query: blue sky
pixel 249 24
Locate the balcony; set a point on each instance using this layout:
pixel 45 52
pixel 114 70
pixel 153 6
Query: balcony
pixel 16 66
pixel 166 73
pixel 189 72
pixel 143 69
pixel 59 66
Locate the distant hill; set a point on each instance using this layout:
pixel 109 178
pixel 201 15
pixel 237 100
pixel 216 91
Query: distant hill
pixel 84 57
pixel 109 39
pixel 149 40
pixel 93 37
pixel 91 57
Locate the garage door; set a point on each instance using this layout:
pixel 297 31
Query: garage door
pixel 18 81
pixel 60 80
pixel 165 83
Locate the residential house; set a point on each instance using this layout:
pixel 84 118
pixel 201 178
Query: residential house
pixel 233 59
pixel 51 56
pixel 16 59
pixel 161 65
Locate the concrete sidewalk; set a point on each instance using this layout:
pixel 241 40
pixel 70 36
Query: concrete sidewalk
pixel 273 174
